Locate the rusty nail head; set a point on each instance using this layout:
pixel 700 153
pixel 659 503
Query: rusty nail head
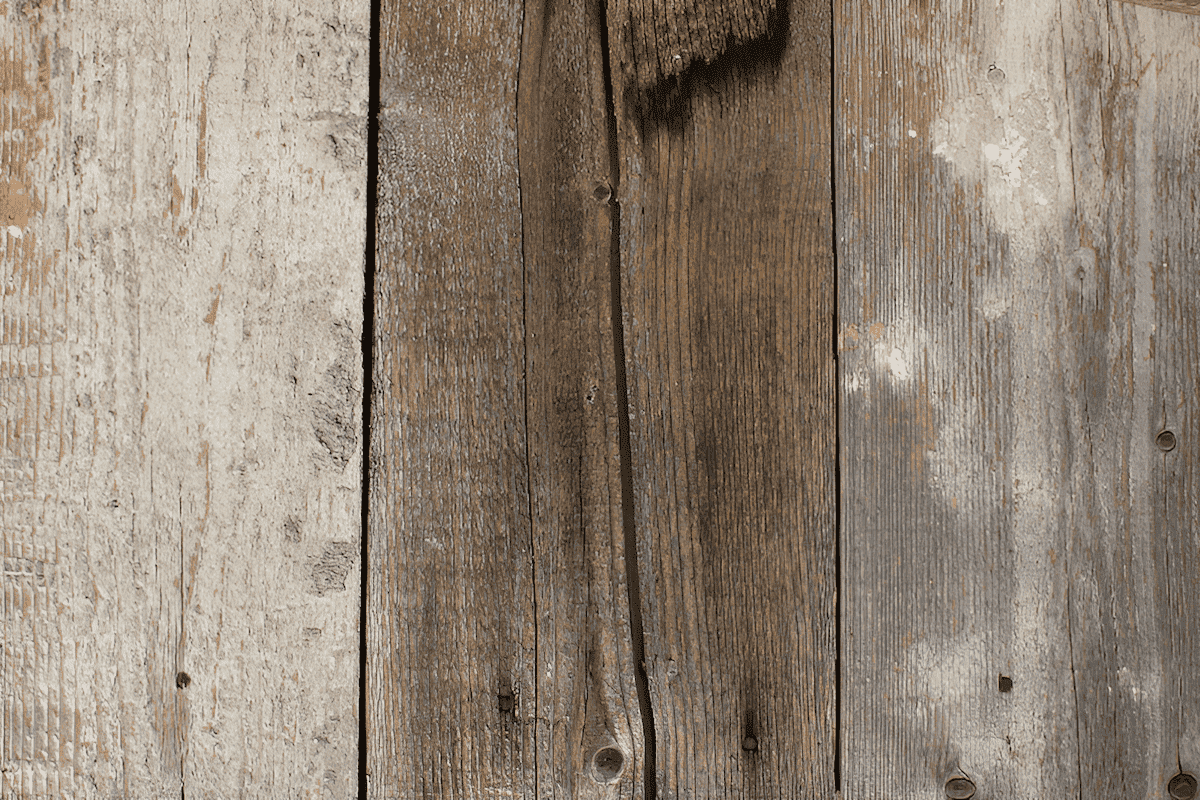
pixel 959 789
pixel 750 744
pixel 1166 441
pixel 1182 787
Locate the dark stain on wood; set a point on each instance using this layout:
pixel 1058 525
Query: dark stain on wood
pixel 668 53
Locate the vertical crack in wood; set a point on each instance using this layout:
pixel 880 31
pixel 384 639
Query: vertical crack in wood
pixel 632 575
pixel 837 401
pixel 368 379
pixel 533 575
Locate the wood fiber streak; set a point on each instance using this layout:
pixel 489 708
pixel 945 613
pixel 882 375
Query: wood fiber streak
pixel 452 648
pixel 586 691
pixel 727 285
pixel 1184 6
pixel 181 232
pixel 1015 311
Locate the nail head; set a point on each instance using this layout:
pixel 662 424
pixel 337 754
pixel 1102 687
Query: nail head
pixel 506 701
pixel 1182 787
pixel 960 788
pixel 182 680
pixel 1166 441
pixel 750 744
pixel 1006 683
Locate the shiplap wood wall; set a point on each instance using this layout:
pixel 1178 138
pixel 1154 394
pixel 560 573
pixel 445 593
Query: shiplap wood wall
pixel 182 220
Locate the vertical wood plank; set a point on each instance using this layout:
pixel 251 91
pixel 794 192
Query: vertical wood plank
pixel 590 728
pixel 1007 586
pixel 500 659
pixel 452 644
pixel 182 242
pixel 1133 127
pixel 727 290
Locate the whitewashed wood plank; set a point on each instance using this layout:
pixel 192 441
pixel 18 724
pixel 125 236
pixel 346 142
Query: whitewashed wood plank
pixel 184 212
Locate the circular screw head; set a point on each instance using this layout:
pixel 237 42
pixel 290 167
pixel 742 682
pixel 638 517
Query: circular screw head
pixel 750 744
pixel 1166 441
pixel 602 192
pixel 183 680
pixel 1182 787
pixel 960 788
pixel 607 764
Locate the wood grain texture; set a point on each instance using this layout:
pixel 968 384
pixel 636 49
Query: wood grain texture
pixel 1012 185
pixel 500 660
pixel 727 289
pixel 1183 6
pixel 451 637
pixel 181 239
pixel 587 696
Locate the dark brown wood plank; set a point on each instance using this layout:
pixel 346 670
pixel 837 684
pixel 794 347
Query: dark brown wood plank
pixel 589 736
pixel 727 289
pixel 500 656
pixel 451 639
pixel 1010 600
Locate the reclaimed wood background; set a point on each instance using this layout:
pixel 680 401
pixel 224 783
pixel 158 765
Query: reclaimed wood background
pixel 182 219
pixel 809 415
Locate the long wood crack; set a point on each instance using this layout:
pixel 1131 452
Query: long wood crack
pixel 632 577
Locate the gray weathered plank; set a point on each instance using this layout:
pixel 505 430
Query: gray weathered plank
pixel 500 660
pixel 727 293
pixel 1001 221
pixel 181 240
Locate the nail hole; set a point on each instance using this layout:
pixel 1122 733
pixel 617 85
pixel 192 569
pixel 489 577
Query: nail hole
pixel 1166 441
pixel 750 744
pixel 182 680
pixel 506 701
pixel 607 764
pixel 1182 787
pixel 1005 683
pixel 960 789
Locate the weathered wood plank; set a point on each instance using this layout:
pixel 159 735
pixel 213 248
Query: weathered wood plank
pixel 1133 100
pixel 727 293
pixel 452 644
pixel 499 644
pixel 1008 591
pixel 182 268
pixel 589 737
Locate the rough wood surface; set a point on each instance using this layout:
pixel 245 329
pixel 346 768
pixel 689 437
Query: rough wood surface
pixel 451 638
pixel 1016 247
pixel 727 290
pixel 500 660
pixel 589 736
pixel 1185 6
pixel 181 233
